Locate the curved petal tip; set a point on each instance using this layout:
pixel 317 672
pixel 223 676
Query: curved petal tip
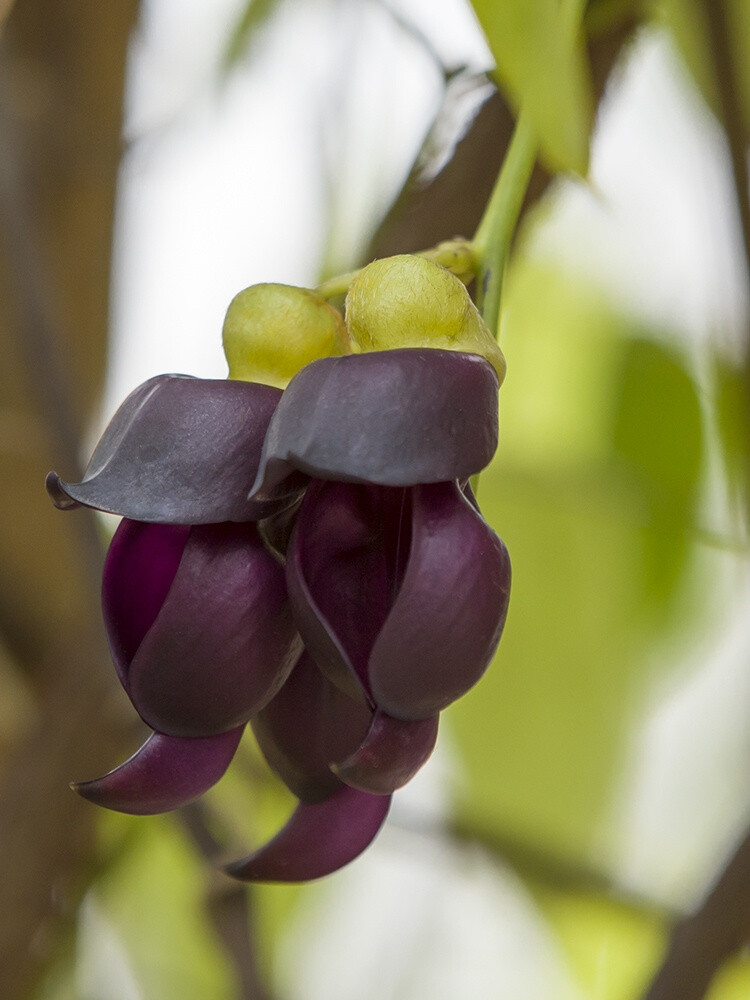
pixel 58 494
pixel 390 755
pixel 167 772
pixel 180 450
pixel 319 839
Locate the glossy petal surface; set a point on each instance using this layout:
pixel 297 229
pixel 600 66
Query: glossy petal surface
pixel 167 772
pixel 392 418
pixel 140 567
pixel 308 724
pixel 222 642
pixel 179 450
pixel 446 621
pixel 390 755
pixel 317 840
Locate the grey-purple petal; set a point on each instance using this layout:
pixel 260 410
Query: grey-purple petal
pixel 393 418
pixel 179 450
pixel 390 755
pixel 308 724
pixel 166 773
pixel 318 839
pixel 446 621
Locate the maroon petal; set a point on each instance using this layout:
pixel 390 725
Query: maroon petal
pixel 307 725
pixel 167 772
pixel 391 754
pixel 223 641
pixel 337 580
pixel 139 570
pixel 393 418
pixel 447 619
pixel 317 840
pixel 179 450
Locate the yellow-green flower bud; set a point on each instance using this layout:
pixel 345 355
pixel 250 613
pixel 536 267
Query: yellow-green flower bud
pixel 272 331
pixel 408 301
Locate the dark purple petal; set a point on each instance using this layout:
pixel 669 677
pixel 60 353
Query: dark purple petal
pixel 390 755
pixel 139 570
pixel 179 450
pixel 167 772
pixel 446 622
pixel 317 840
pixel 393 418
pixel 307 725
pixel 223 641
pixel 337 580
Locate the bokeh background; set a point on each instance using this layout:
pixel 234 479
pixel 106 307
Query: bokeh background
pixel 582 827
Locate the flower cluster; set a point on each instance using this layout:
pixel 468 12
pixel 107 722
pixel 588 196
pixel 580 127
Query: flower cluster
pixel 309 561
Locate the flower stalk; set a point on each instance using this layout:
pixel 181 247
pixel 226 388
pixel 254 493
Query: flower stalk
pixel 494 234
pixel 485 256
pixel 457 256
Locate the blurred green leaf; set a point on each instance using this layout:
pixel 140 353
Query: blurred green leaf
pixel 731 406
pixel 603 15
pixel 657 437
pixel 732 982
pixel 657 428
pixel 153 895
pixel 738 13
pixel 612 948
pixel 254 15
pixel 600 435
pixel 686 19
pixel 541 66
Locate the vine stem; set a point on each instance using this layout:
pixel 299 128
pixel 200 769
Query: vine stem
pixel 495 231
pixel 457 256
pixel 486 255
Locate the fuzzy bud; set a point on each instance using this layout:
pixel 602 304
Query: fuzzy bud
pixel 408 301
pixel 272 331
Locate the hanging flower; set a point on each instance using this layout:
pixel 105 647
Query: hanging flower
pixel 311 562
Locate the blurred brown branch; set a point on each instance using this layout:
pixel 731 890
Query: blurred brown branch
pixel 452 202
pixel 63 71
pixel 5 6
pixel 229 906
pixel 703 941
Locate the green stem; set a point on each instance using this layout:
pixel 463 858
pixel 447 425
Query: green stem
pixel 495 231
pixel 456 256
pixel 338 285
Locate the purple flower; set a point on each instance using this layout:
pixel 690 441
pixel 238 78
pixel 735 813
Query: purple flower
pixel 400 595
pixel 305 562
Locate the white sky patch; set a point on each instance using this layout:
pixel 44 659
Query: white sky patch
pixel 683 803
pixel 420 918
pixel 451 28
pixel 658 227
pixel 103 969
pixel 227 184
